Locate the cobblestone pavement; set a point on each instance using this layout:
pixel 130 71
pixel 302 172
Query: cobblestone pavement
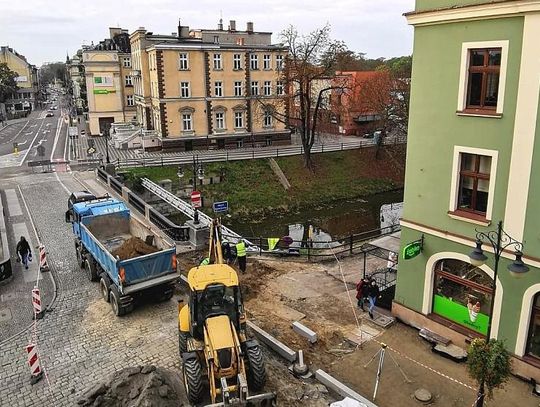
pixel 80 342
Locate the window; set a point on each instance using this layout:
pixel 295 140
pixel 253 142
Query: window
pixel 130 101
pixel 237 62
pixel 129 80
pixel 462 294
pixel 216 39
pixel 187 122
pixel 183 61
pixel 268 141
pixel 279 88
pixel 217 62
pixel 483 78
pixel 253 62
pixel 127 62
pixel 220 121
pixel 238 120
pixel 279 62
pixel 266 62
pixel 267 88
pixel 533 339
pixel 237 88
pixel 239 143
pixel 254 88
pixel 218 89
pixel 184 89
pixel 474 183
pixel 268 119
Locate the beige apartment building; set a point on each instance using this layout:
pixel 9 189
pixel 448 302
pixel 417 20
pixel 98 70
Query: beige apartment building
pixel 109 82
pixel 27 80
pixel 208 88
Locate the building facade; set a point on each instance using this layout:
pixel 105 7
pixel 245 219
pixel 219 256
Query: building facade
pixel 27 81
pixel 109 83
pixel 473 160
pixel 77 81
pixel 204 88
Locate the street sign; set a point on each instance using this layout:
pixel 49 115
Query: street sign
pixel 41 150
pixel 412 250
pixel 196 201
pixel 221 206
pixel 90 151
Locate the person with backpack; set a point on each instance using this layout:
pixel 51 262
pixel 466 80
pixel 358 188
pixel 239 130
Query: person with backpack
pixel 362 292
pixel 24 253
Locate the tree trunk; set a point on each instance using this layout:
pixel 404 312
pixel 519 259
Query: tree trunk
pixel 308 163
pixel 480 396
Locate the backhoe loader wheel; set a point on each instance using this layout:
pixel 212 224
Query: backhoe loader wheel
pixel 182 342
pixel 193 380
pixel 256 372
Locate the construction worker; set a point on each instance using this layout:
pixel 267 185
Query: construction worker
pixel 205 261
pixel 24 253
pixel 226 250
pixel 241 254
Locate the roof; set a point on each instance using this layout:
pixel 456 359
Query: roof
pixel 199 277
pixel 388 242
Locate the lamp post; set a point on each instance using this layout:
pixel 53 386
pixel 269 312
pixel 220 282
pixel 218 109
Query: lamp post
pixel 499 241
pixel 198 172
pixel 106 134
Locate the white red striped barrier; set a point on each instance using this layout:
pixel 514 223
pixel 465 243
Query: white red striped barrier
pixel 36 303
pixel 43 265
pixel 33 361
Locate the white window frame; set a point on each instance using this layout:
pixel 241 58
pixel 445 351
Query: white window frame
pixel 183 61
pixel 186 88
pixel 254 86
pixel 454 186
pixel 187 121
pixel 239 118
pixel 464 73
pixel 267 88
pixel 253 62
pixel 237 62
pixel 127 62
pixel 279 62
pixel 219 119
pixel 280 88
pixel 128 80
pixel 218 63
pixel 218 85
pixel 238 89
pixel 130 100
pixel 267 62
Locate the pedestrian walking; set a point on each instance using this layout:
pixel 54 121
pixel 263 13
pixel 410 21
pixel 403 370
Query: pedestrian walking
pixel 373 295
pixel 241 254
pixel 362 288
pixel 24 253
pixel 392 262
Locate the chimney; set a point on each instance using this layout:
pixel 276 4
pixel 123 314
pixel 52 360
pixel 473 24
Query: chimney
pixel 249 28
pixel 232 25
pixel 183 31
pixel 220 25
pixel 179 29
pixel 114 31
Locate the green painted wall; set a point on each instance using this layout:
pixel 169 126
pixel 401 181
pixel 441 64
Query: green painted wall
pixel 434 127
pixel 435 4
pixel 531 234
pixel 411 274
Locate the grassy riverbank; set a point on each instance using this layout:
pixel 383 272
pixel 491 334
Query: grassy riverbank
pixel 251 187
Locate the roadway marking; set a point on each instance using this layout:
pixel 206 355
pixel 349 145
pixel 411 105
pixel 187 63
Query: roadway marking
pixel 30 147
pixel 13 203
pixel 56 137
pixel 32 274
pixel 20 131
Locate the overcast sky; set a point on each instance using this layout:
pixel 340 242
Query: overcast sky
pixel 44 31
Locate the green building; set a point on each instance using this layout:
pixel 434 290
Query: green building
pixel 473 160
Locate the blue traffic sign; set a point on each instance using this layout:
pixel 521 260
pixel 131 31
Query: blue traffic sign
pixel 221 206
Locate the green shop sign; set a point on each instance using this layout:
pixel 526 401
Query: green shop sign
pixel 460 314
pixel 413 249
pixel 103 91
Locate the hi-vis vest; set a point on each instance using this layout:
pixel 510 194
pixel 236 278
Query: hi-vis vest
pixel 240 249
pixel 205 261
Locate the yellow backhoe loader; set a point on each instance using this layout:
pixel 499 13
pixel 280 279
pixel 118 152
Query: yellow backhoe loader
pixel 212 336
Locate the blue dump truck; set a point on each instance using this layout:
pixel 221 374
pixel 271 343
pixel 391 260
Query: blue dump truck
pixel 124 254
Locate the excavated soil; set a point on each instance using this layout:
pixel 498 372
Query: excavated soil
pixel 133 247
pixel 141 386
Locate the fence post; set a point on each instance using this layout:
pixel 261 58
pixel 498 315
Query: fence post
pixel 253 153
pixel 260 246
pixel 277 152
pixel 308 253
pixel 162 161
pixel 322 148
pixel 350 244
pixel 226 156
pixel 341 146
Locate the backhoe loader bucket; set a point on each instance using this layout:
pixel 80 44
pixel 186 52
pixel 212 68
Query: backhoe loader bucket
pixel 260 400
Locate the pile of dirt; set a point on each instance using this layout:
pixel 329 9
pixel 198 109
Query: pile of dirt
pixel 139 386
pixel 133 247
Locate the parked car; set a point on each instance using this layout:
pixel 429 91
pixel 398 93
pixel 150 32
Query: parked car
pixel 49 114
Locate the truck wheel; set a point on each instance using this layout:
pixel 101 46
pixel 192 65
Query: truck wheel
pixel 166 294
pixel 193 380
pixel 114 297
pixel 182 342
pixel 104 287
pixel 256 372
pixel 78 252
pixel 90 268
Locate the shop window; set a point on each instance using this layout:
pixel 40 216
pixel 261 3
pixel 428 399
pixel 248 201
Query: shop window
pixel 462 294
pixel 533 339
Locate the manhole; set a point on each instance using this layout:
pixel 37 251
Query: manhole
pixel 422 395
pixel 383 321
pixel 5 314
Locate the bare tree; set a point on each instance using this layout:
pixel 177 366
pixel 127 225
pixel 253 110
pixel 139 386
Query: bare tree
pixel 308 80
